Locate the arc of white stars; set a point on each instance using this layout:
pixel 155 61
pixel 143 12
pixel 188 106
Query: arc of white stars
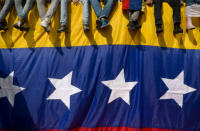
pixel 7 89
pixel 64 89
pixel 176 89
pixel 120 88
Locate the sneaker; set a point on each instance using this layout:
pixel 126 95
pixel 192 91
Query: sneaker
pixel 63 28
pixel 159 29
pixel 45 23
pixel 19 23
pixel 47 29
pixel 98 24
pixel 3 25
pixel 177 29
pixel 24 27
pixel 86 27
pixel 134 25
pixel 104 23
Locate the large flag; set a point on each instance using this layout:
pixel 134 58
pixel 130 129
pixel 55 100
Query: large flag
pixel 102 80
pixel 132 5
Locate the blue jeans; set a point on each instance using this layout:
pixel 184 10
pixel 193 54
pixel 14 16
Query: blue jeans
pixel 23 11
pixel 63 15
pixel 4 11
pixel 102 12
pixel 51 10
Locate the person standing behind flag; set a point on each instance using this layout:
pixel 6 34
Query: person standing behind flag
pixel 134 8
pixel 192 10
pixel 176 5
pixel 6 6
pixel 102 14
pixel 46 16
pixel 63 16
pixel 22 13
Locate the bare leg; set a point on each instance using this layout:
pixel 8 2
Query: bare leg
pixel 189 23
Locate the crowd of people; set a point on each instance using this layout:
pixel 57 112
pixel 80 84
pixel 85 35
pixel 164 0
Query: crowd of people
pixel 134 8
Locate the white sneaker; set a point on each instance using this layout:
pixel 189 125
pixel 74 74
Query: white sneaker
pixel 45 23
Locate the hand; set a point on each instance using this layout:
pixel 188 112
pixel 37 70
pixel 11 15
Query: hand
pixel 149 2
pixel 76 2
pixel 182 3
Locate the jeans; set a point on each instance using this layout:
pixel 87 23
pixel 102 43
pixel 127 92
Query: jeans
pixel 50 12
pixel 4 11
pixel 175 4
pixel 102 12
pixel 23 11
pixel 133 15
pixel 63 15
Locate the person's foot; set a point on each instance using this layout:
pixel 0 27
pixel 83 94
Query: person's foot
pixel 134 25
pixel 19 23
pixel 45 23
pixel 190 26
pixel 98 24
pixel 159 29
pixel 24 27
pixel 104 23
pixel 63 28
pixel 86 27
pixel 177 29
pixel 3 25
pixel 47 29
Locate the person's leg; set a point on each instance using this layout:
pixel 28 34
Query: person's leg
pixel 97 7
pixel 41 8
pixel 52 9
pixel 63 12
pixel 27 7
pixel 6 8
pixel 107 8
pixel 158 15
pixel 85 6
pixel 4 11
pixel 133 17
pixel 18 6
pixel 63 16
pixel 176 6
pixel 189 25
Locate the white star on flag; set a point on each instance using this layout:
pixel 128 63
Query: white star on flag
pixel 120 88
pixel 64 89
pixel 7 89
pixel 177 89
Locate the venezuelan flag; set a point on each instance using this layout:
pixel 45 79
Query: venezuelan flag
pixel 103 80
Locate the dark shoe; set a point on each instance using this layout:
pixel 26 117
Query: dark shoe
pixel 104 23
pixel 24 28
pixel 98 24
pixel 134 25
pixel 159 29
pixel 3 26
pixel 63 28
pixel 177 29
pixel 86 27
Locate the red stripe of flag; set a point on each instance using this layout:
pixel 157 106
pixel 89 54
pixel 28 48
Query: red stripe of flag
pixel 125 4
